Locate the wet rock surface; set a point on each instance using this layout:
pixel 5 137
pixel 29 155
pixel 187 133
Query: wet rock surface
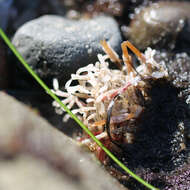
pixel 33 152
pixel 55 47
pixel 160 25
pixel 178 66
pixel 161 145
pixel 160 153
pixel 178 179
pixel 164 131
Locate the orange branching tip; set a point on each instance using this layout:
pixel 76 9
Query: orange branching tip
pixel 126 57
pixel 111 53
pixel 135 51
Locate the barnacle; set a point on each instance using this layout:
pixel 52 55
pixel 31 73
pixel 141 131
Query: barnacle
pixel 112 99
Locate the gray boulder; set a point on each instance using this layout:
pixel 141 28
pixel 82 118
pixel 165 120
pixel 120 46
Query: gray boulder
pixel 55 46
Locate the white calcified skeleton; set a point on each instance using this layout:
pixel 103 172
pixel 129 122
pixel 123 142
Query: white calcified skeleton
pixel 98 84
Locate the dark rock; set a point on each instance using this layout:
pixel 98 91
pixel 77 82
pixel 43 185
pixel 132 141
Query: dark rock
pixel 23 11
pixel 161 148
pixel 178 179
pixel 4 12
pixel 32 153
pixel 55 47
pixel 179 71
pixel 160 153
pixel 4 71
pixel 88 8
pixel 178 66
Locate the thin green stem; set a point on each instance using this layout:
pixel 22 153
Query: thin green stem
pixel 45 87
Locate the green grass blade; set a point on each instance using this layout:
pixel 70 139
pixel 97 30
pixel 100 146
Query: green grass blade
pixel 45 87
